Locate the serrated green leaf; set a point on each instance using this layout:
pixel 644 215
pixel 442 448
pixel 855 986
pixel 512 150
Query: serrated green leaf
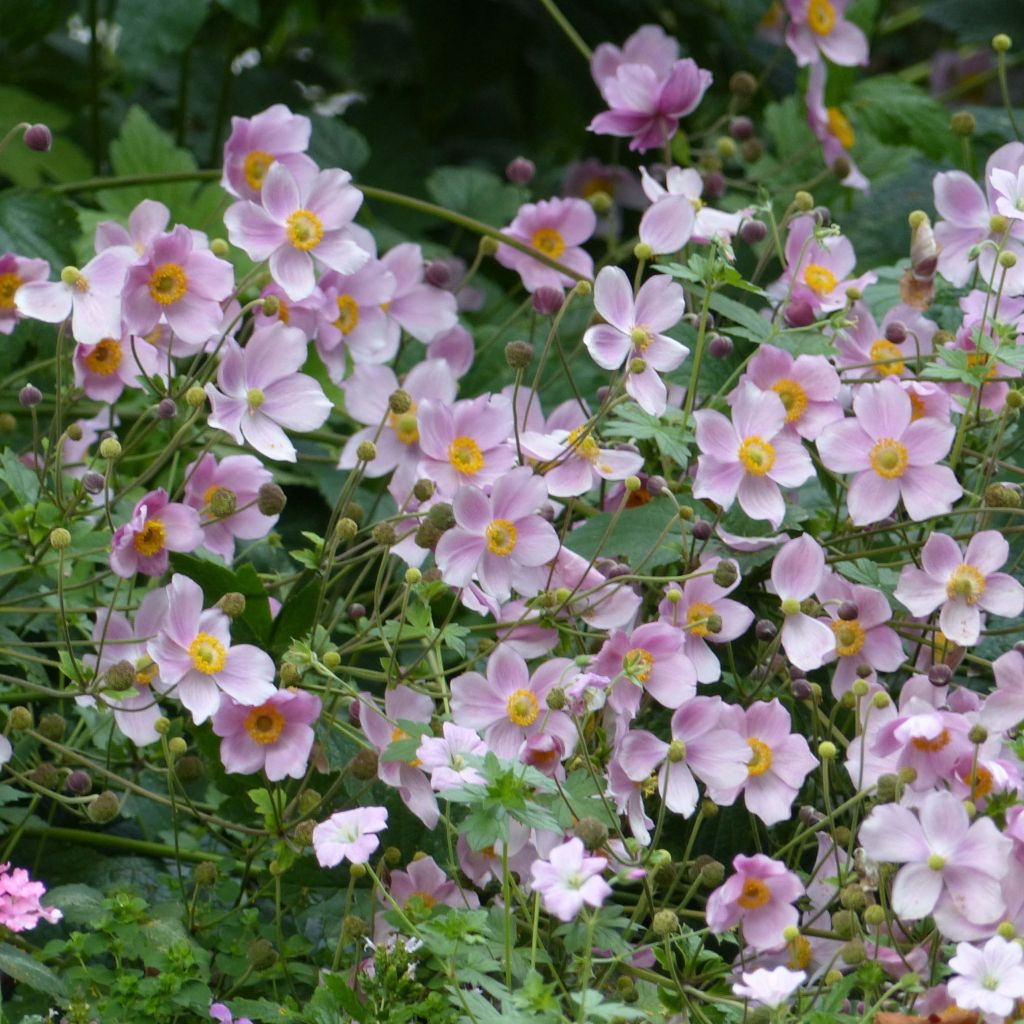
pixel 900 113
pixel 643 535
pixel 24 484
pixel 38 224
pixel 474 192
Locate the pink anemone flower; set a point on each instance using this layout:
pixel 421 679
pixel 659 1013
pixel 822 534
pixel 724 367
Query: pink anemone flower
pixel 157 527
pixel 557 228
pixel 20 909
pixel 832 129
pixel 568 880
pixel 818 29
pixel 14 272
pixel 417 307
pixel 105 369
pixel 349 835
pixel 649 45
pixel 797 572
pixel 274 135
pixel 677 214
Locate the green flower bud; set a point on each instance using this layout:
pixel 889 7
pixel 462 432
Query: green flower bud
pixel 103 808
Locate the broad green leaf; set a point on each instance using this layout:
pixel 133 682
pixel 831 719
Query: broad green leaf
pixel 337 144
pixel 474 192
pixel 666 432
pixel 38 224
pixel 29 971
pixel 24 484
pixel 900 113
pixel 643 536
pixel 153 33
pixel 78 903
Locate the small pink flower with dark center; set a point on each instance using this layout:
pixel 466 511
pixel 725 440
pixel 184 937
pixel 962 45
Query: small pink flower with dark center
pixel 832 129
pixel 893 456
pixel 260 393
pixel 990 980
pixel 758 897
pixel 749 458
pixel 502 539
pixel 275 735
pixel 20 909
pixel 568 879
pixel 156 528
pixel 700 745
pixel 349 835
pixel 14 272
pixel 646 106
pixel 275 135
pixel 178 283
pixel 818 269
pixel 797 572
pixel 194 653
pixel 417 307
pixel 818 29
pixel 633 331
pixel 299 221
pixel 689 608
pixel 677 215
pixel 864 638
pixel 649 659
pixel 807 385
pixel 445 757
pixel 946 858
pixel 225 496
pixel 557 228
pixel 467 443
pixel 779 763
pixel 105 369
pixel 963 583
pixel 508 705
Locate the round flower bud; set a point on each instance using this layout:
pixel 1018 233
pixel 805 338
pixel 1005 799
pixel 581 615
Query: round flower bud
pixel 656 484
pixel 392 856
pixel 880 700
pixel 520 171
pixel 803 201
pixel 423 490
pixel 556 698
pixel 223 503
pixel 357 871
pixel 751 150
pixel 488 246
pixel 1007 259
pixel 998 223
pixel 74 432
pixel 110 448
pixel 637 366
pixel 103 808
pixel 363 765
pixel 518 355
pixel 52 726
pixel 289 674
pixel 547 300
pixel 59 538
pixel 438 274
pixel 1001 42
pixel 720 346
pixel 219 247
pixel 799 313
pixel 860 688
pixel 195 397
pixel 664 923
pixel 725 574
pixel 907 774
pixel 1014 399
pixel 743 84
pixel 399 401
pixel 753 231
pixel 713 624
pixel 712 873
pixel 940 675
pixel 977 734
pixel 78 783
pixel 271 305
pixel 93 482
pixel 309 801
pixel 741 128
pixel 232 604
pixel 441 516
pixel 844 924
pixel 205 874
pixel 592 831
pixel 162 726
pixel 261 954
pixel 45 774
pixel 874 915
pixel 701 530
pixel 714 181
pixel 413 576
pixel 765 630
pixel 1007 931
pixel 426 536
pixel 166 409
pixel 848 611
pixel 29 396
pixel 725 147
pixel 188 768
pixel 366 451
pixel 600 202
pixel 356 611
pixel 632 484
pixel 332 659
pixel 7 423
pixel 963 123
pixel 853 953
pixel 345 529
pixel 38 137
pixel 801 689
pixel 864 671
pixel 852 897
pixel 827 750
pixel 177 746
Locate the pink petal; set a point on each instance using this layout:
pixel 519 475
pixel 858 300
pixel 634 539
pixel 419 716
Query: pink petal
pixel 871 497
pixel 613 298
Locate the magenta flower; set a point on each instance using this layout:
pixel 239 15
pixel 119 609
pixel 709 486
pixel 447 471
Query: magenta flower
pixel 963 583
pixel 832 129
pixel 779 763
pixel 417 307
pixel 299 220
pixel 649 45
pixel 20 909
pixel 180 284
pixel 677 215
pixel 601 602
pixel 508 705
pixel 218 1011
pixel 700 745
pixel 275 135
pixel 689 607
pixel 260 393
pixel 633 331
pixel 818 29
pixel 749 458
pixel 105 369
pixel 807 385
pixel 14 272
pixel 275 735
pixel 156 528
pixel 502 539
pixel 444 757
pixel 1004 707
pixel 646 106
pixel 238 478
pixel 426 884
pixel 194 653
pixel 892 456
pixel 945 858
pixel 466 443
pixel 990 980
pixel 797 572
pixel 759 897
pixel 982 313
pixel 557 228
pixel 349 835
pixel 568 879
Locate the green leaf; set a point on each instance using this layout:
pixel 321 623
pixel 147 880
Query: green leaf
pixel 870 574
pixel 38 224
pixel 755 327
pixel 636 537
pixel 247 11
pixel 29 971
pixel 152 33
pixel 474 192
pixel 78 903
pixel 337 144
pixel 900 113
pixel 295 619
pixel 217 580
pixel 24 484
pixel 666 432
pixel 64 161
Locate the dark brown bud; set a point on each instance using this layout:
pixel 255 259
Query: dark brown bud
pixel 518 354
pixel 363 765
pixel 271 500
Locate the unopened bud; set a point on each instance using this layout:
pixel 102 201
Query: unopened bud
pixel 844 924
pixel 725 147
pixel 423 490
pixel 753 231
pixel 880 700
pixel 977 734
pixel 665 923
pixel 518 355
pixel 177 746
pixel 110 448
pixel 998 224
pixel 38 137
pixel 345 529
pixel 600 202
pixel 78 783
pixel 270 499
pixel 438 274
pixel 223 503
pixel 188 768
pixel 765 630
pixel 848 611
pixel 548 300
pixel 1014 399
pixel 332 659
pixel 195 397
pixel 701 530
pixel 963 123
pixel 741 128
pixel 441 516
pixel 743 84
pixel 1001 42
pixel 725 574
pixel 93 482
pixel 289 674
pixel 1000 495
pixel 399 401
pixel 556 698
pixel 799 313
pixel 52 727
pixel 205 874
pixel 852 897
pixel 520 171
pixel 59 538
pixel 1007 259
pixel 939 675
pixel 592 831
pixel 720 346
pixel 874 915
pixel 103 808
pixel 261 954
pixel 166 409
pixel 363 765
pixel 804 202
pixel 488 246
pixel 853 953
pixel 29 396
pixel 827 750
pixel 232 604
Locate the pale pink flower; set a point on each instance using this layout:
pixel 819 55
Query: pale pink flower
pixel 770 988
pixel 924 738
pixel 424 882
pixel 220 1013
pixel 20 909
pixel 818 29
pixel 990 980
pixel 1009 190
pixel 797 572
pixel 349 835
pixel 557 228
pixel 677 214
pixel 350 318
pixel 14 272
pixel 649 45
pixel 963 583
pixel 1004 707
pixel 146 223
pixel 568 879
pixel 274 135
pixel 417 307
pixel 444 757
pixel 864 353
pixel 156 528
pixel 105 369
pixel 759 897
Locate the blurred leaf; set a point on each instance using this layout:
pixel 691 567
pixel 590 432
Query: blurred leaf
pixel 295 618
pixel 337 144
pixel 79 904
pixel 900 113
pixel 977 22
pixel 247 11
pixel 38 224
pixel 476 193
pixel 151 32
pixel 29 971
pixel 64 161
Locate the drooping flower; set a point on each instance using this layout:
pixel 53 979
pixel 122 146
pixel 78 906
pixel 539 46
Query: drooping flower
pixel 299 221
pixel 20 909
pixel 990 980
pixel 832 129
pixel 677 214
pixel 275 735
pixel 275 135
pixel 964 583
pixel 260 393
pixel 156 528
pixel 771 988
pixel 760 898
pixel 893 456
pixel 568 879
pixel 349 835
pixel 557 228
pixel 633 330
pixel 195 655
pixel 749 458
pixel 797 572
pixel 14 272
pixel 818 29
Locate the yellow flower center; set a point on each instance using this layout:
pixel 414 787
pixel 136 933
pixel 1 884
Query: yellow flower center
pixel 638 663
pixel 145 676
pixel 917 406
pixel 762 759
pixel 501 537
pixel 104 358
pixel 849 636
pixel 405 425
pixel 889 458
pixel 255 168
pixel 966 582
pixel 151 540
pixel 697 616
pixel 888 359
pixel 168 283
pixel 426 900
pixel 549 242
pixel 819 279
pixel 263 724
pixel 757 456
pixel 755 894
pixel 821 16
pixel 208 500
pixel 975 359
pixel 840 127
pixel 586 448
pixel 931 746
pixel 207 654
pixel 255 398
pixel 981 782
pixel 523 708
pixel 304 230
pixel 348 314
pixel 9 284
pixel 465 456
pixel 800 949
pixel 794 398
